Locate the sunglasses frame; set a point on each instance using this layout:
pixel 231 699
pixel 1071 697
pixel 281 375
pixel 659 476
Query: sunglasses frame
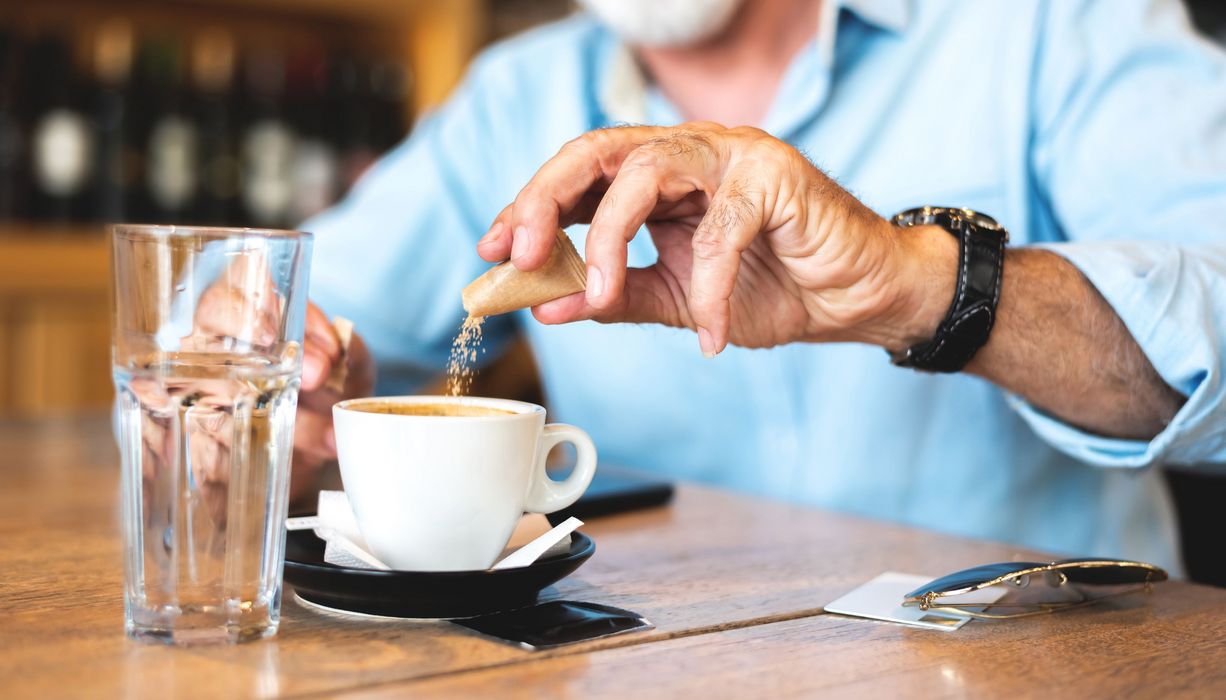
pixel 1053 575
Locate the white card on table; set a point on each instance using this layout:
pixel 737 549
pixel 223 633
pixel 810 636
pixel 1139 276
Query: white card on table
pixel 881 599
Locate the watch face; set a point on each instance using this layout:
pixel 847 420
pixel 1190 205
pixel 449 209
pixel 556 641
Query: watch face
pixel 980 220
pixel 931 215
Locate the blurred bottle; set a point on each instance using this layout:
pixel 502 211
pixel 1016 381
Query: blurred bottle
pixel 389 89
pixel 13 177
pixel 316 167
pixel 213 63
pixel 117 150
pixel 356 133
pixel 267 143
pixel 170 135
pixel 61 137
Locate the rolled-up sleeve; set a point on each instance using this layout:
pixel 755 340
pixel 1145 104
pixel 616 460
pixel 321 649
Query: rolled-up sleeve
pixel 1129 160
pixel 1172 298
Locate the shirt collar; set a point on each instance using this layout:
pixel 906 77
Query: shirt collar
pixel 623 92
pixel 891 15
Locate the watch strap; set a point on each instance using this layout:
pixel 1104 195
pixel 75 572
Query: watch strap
pixel 968 323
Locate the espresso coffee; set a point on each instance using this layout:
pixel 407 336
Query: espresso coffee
pixel 428 409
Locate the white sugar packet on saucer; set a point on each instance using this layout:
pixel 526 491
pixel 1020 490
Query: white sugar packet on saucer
pixel 335 524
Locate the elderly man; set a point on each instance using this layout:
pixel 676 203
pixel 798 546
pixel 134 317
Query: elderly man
pixel 1091 131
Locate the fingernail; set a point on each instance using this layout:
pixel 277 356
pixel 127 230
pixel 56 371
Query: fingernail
pixel 706 343
pixel 330 439
pixel 595 283
pixel 520 245
pixel 493 234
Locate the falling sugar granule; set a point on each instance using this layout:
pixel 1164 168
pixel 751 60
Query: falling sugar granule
pixel 461 365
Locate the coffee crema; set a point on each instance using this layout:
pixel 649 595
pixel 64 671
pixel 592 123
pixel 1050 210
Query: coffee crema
pixel 428 409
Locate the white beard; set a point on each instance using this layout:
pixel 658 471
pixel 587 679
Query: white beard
pixel 670 23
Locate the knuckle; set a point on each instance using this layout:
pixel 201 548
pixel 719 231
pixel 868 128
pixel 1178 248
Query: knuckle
pixel 579 145
pixel 681 141
pixel 531 202
pixel 730 218
pixel 769 154
pixel 708 242
pixel 750 133
pixel 704 307
pixel 643 158
pixel 591 149
pixel 598 140
pixel 737 207
pixel 523 212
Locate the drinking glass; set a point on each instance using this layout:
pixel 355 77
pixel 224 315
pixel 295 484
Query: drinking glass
pixel 207 357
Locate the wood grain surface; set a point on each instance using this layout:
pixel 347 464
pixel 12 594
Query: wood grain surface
pixel 735 586
pixel 1171 646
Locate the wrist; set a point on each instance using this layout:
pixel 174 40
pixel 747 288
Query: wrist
pixel 924 276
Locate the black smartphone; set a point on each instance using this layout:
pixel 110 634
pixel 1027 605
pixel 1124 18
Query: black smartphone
pixel 617 490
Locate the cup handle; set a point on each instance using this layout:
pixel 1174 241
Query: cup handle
pixel 547 495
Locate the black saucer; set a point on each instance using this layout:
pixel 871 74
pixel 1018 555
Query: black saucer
pixel 422 594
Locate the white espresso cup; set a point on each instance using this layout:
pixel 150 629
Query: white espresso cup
pixel 444 492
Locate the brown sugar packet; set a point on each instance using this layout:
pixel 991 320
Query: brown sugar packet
pixel 340 369
pixel 505 288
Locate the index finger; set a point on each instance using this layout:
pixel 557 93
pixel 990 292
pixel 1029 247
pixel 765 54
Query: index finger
pixel 550 198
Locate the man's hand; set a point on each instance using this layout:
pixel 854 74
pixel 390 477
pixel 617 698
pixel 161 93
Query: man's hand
pixel 757 247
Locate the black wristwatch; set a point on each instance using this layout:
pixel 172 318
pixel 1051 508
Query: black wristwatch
pixel 967 324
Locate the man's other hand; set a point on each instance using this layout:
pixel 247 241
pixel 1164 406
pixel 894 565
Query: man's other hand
pixel 314 437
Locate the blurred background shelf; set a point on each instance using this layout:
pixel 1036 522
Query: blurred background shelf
pixel 433 39
pixel 239 112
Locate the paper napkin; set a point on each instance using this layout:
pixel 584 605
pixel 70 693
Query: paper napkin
pixel 335 524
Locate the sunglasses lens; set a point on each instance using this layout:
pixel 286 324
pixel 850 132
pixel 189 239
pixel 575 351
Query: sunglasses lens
pixel 968 578
pixel 1111 572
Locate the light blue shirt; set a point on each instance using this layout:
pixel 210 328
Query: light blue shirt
pixel 1097 128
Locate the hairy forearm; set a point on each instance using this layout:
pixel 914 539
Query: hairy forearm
pixel 1056 342
pixel 1060 345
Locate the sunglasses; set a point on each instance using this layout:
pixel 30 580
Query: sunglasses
pixel 1061 585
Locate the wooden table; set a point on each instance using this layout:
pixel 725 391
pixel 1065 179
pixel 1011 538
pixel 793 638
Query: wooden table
pixel 734 585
